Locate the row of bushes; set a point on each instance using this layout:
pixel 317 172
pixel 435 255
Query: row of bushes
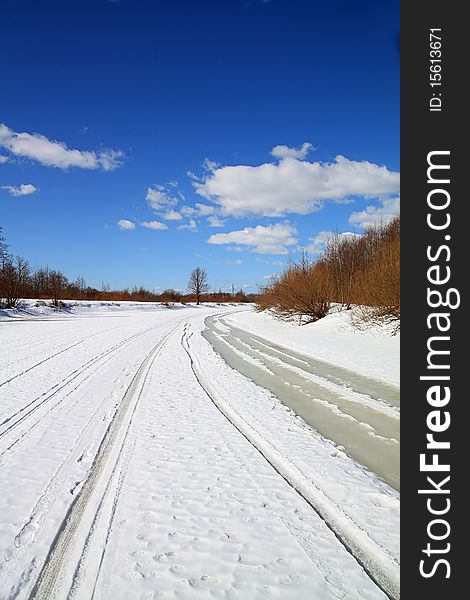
pixel 18 280
pixel 351 270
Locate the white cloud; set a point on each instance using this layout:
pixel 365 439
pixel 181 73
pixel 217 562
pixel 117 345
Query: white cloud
pixel 172 215
pixel 287 152
pixel 215 221
pixel 23 190
pixel 204 209
pixel 159 199
pixel 188 211
pixel 271 276
pixel 293 186
pixel 191 225
pixel 126 225
pixel 3 159
pixel 56 154
pixel 274 263
pixel 192 176
pixel 210 165
pixel 110 159
pixel 156 225
pixel 318 242
pixel 270 239
pixel 374 215
pixel 237 261
pixel 201 210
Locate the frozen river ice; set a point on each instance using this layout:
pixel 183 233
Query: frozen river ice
pixel 354 411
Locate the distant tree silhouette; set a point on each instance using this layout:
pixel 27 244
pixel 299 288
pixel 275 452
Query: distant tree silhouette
pixel 80 285
pixel 198 283
pixel 171 295
pixel 18 281
pixel 14 276
pixel 57 283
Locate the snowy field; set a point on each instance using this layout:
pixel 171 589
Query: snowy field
pixel 136 463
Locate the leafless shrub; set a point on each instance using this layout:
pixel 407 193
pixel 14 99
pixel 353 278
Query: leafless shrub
pixel 361 270
pixel 300 292
pixel 378 282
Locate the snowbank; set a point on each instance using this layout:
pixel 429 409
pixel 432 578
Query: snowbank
pixel 32 308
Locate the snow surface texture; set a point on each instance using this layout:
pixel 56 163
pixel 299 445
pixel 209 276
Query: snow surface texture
pixel 121 478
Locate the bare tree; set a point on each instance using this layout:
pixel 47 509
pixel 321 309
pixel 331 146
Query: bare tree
pixel 40 282
pixel 198 283
pixel 80 284
pixel 14 276
pixel 57 282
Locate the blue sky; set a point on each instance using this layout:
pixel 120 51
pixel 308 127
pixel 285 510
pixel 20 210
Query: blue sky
pixel 143 138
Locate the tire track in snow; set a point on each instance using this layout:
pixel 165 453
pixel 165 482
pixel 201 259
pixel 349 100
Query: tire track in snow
pixel 39 402
pixel 41 362
pixel 45 503
pixel 51 578
pixel 380 567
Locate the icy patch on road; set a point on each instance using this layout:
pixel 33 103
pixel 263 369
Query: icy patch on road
pixel 374 353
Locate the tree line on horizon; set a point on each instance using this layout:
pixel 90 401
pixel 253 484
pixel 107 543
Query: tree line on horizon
pixel 19 281
pixel 352 270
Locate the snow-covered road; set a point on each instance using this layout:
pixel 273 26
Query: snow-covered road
pixel 135 463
